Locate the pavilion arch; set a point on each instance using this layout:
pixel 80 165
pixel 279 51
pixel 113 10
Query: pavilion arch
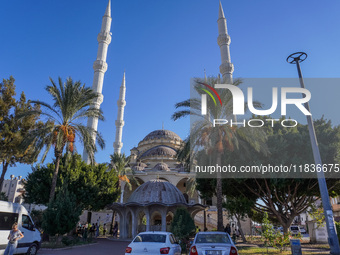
pixel 182 185
pixel 169 218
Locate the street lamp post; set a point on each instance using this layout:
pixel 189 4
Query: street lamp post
pixel 333 241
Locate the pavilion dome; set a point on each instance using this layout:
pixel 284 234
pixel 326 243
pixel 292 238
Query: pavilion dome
pixel 162 134
pixel 157 191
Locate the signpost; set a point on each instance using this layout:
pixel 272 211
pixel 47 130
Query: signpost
pixel 295 246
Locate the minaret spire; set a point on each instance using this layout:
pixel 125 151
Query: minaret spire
pixel 100 67
pixel 117 145
pixel 223 40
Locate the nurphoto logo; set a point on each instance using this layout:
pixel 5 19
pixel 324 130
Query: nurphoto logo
pixel 239 104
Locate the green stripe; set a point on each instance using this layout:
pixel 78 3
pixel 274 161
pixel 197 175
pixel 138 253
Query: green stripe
pixel 209 95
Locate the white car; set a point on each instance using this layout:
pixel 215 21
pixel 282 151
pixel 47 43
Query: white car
pixel 295 230
pixel 156 242
pixel 213 243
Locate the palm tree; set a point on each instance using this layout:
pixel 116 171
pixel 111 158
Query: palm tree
pixel 119 162
pixel 219 139
pixel 73 104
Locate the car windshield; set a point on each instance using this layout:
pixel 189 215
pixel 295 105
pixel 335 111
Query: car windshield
pixel 152 238
pixel 212 238
pixel 294 228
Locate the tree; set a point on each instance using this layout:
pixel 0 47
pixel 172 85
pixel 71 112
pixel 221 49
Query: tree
pixel 62 214
pixel 182 226
pixel 3 196
pixel 119 163
pixel 94 186
pixel 73 103
pixel 13 130
pixel 239 208
pixel 216 140
pixel 285 198
pixel 268 232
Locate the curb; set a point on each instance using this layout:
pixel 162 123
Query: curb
pixel 66 248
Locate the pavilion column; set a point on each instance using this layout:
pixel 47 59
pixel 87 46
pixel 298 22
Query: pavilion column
pixel 123 225
pixel 164 212
pixel 148 220
pixel 134 223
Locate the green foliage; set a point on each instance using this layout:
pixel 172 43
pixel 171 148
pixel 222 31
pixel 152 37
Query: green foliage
pixel 119 164
pixel 337 225
pixel 14 130
pixel 281 241
pixel 183 226
pixel 318 215
pixel 62 214
pixel 94 186
pixel 239 206
pixel 37 217
pixel 268 232
pixel 3 196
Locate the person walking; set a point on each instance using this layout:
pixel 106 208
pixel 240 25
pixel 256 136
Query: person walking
pixel 104 229
pixel 115 230
pixel 97 230
pixel 228 229
pixel 14 236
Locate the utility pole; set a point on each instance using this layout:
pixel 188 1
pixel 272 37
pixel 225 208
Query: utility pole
pixel 297 58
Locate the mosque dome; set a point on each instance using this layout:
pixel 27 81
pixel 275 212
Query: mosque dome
pixel 161 167
pixel 162 134
pixel 157 191
pixel 160 150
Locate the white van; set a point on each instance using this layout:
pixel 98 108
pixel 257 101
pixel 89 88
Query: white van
pixel 10 213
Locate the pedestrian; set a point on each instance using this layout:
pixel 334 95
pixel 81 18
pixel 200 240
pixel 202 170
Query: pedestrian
pixel 14 236
pixel 97 230
pixel 86 228
pixel 237 233
pixel 104 229
pixel 227 229
pixel 115 229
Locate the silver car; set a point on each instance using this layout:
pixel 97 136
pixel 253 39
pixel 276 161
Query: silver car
pixel 213 243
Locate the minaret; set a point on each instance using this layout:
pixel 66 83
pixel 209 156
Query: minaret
pixel 117 145
pixel 223 40
pixel 100 67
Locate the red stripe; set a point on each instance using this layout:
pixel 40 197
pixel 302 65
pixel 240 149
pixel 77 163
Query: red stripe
pixel 213 90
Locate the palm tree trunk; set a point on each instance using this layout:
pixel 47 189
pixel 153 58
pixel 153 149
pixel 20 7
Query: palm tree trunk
pixel 220 226
pixel 4 170
pixel 55 176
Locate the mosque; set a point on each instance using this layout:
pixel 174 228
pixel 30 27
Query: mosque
pixel 162 180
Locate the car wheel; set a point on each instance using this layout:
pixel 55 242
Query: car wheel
pixel 32 250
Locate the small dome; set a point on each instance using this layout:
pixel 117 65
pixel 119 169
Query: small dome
pixel 162 134
pixel 160 150
pixel 139 166
pixel 157 191
pixel 161 167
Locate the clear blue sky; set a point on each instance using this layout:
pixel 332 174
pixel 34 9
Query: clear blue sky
pixel 162 44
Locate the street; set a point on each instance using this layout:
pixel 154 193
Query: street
pixel 103 246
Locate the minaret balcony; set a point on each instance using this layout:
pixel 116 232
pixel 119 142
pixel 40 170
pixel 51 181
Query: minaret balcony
pixel 223 40
pixel 104 37
pixel 226 68
pixel 100 65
